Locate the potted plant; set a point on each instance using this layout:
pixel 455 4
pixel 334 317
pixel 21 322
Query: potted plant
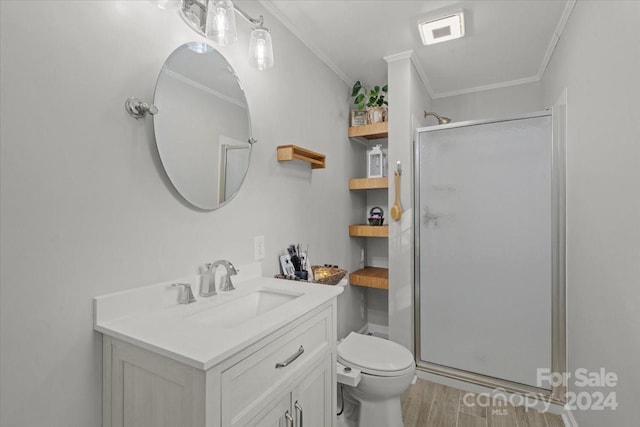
pixel 373 99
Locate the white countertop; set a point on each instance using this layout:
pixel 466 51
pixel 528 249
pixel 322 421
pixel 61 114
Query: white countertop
pixel 151 318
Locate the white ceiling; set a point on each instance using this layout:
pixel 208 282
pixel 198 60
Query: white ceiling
pixel 506 42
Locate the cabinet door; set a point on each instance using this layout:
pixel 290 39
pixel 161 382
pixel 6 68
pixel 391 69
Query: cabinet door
pixel 148 390
pixel 274 415
pixel 311 399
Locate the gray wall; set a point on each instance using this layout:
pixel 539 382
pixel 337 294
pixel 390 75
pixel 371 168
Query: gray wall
pixel 489 104
pixel 86 208
pixel 597 60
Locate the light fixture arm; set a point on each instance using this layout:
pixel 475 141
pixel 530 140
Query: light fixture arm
pixel 202 14
pixel 248 18
pixel 219 25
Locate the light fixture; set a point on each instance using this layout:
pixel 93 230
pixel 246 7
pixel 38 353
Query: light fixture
pixel 215 19
pixel 260 48
pixel 442 29
pixel 220 25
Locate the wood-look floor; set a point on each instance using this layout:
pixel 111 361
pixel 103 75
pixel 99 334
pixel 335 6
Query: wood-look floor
pixel 428 404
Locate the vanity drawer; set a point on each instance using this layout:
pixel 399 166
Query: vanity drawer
pixel 251 382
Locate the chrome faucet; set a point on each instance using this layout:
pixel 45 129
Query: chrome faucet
pixel 226 284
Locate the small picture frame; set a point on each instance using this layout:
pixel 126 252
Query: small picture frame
pixel 358 117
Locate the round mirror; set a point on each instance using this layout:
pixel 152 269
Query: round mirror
pixel 203 129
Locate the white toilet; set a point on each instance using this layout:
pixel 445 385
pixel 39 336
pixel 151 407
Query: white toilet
pixel 387 371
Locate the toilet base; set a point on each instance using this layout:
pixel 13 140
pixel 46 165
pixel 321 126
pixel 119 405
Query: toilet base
pixel 380 413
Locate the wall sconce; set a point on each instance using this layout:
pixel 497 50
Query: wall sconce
pixel 215 19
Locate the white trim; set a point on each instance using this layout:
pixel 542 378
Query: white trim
pixel 288 24
pixel 202 87
pixel 422 74
pixel 372 327
pixel 398 56
pixel 363 330
pixel 556 36
pixel 517 82
pixel 568 419
pixel 416 63
pixel 272 9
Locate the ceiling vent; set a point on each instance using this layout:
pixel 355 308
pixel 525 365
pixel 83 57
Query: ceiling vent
pixel 442 29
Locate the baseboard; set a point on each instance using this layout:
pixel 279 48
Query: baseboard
pixel 568 419
pixel 364 329
pixel 372 328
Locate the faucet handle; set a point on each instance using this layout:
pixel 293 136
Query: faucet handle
pixel 185 296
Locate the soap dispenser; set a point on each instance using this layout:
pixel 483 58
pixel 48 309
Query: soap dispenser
pixel 208 282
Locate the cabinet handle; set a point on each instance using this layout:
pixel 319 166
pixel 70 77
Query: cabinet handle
pixel 290 359
pixel 288 419
pixel 298 411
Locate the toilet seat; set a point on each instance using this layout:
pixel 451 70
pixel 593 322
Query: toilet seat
pixel 375 356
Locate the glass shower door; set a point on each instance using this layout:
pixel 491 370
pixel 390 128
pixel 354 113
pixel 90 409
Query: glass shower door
pixel 484 247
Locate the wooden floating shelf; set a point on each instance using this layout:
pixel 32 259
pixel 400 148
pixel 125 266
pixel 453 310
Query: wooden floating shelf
pixel 370 277
pixel 368 183
pixel 291 152
pixel 368 230
pixel 372 131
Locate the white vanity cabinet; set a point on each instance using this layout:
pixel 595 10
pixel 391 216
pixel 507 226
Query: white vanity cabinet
pixel 308 404
pixel 145 389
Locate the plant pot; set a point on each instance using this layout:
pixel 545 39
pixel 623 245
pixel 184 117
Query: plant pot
pixel 377 114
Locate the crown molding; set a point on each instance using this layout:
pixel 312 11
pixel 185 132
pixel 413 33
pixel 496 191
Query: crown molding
pixel 398 56
pixel 516 82
pixel 566 13
pixel 289 25
pixel 203 88
pixel 422 74
pixel 410 54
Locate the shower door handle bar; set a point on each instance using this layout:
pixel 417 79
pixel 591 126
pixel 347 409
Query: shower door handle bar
pixel 289 420
pixel 298 411
pixel 290 359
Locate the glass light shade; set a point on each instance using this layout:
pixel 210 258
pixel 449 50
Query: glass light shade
pixel 168 4
pixel 221 22
pixel 261 49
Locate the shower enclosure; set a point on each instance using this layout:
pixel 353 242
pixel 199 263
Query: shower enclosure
pixel 489 279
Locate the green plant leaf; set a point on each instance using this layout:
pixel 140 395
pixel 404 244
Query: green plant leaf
pixel 359 99
pixel 356 88
pixel 385 88
pixel 361 106
pixel 376 89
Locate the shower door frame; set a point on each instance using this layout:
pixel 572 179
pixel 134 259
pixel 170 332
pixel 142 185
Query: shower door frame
pixel 558 279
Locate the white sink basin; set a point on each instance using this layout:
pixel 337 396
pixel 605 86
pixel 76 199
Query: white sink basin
pixel 244 308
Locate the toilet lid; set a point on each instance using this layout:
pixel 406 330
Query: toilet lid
pixel 373 355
